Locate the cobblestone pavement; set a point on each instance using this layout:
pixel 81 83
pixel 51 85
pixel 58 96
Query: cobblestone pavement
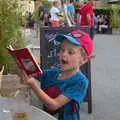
pixel 105 72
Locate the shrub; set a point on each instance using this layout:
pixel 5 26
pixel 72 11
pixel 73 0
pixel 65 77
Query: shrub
pixel 116 17
pixel 10 31
pixel 103 11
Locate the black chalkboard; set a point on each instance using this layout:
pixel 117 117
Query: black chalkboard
pixel 49 47
pixel 49 53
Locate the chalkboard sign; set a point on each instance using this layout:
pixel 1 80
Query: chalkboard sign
pixel 49 47
pixel 49 52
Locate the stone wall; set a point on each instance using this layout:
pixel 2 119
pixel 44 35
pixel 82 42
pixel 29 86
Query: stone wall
pixel 10 84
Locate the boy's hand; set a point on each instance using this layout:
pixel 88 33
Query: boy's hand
pixel 27 79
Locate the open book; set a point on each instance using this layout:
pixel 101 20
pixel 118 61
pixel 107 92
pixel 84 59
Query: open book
pixel 26 61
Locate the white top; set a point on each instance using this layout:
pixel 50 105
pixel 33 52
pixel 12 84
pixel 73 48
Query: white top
pixel 53 14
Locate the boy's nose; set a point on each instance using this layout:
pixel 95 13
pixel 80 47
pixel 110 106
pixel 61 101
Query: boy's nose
pixel 64 53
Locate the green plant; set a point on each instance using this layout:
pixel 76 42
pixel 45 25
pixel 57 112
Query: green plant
pixel 116 17
pixel 10 30
pixel 103 11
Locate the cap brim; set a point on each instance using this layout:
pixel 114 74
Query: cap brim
pixel 61 37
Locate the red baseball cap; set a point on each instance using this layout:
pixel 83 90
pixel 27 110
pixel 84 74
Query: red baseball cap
pixel 79 38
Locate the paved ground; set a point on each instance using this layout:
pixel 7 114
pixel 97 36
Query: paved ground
pixel 105 79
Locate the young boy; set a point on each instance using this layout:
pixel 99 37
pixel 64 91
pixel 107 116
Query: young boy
pixel 65 87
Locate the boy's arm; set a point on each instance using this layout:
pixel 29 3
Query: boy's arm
pixel 51 103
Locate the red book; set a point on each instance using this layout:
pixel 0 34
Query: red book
pixel 26 61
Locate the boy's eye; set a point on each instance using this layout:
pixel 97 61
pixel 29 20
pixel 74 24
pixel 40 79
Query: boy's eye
pixel 71 52
pixel 62 49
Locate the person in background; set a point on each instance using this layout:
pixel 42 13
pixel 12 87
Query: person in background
pixel 41 12
pixel 71 11
pixel 85 15
pixel 105 24
pixel 65 87
pixel 100 21
pixel 55 13
pixel 47 18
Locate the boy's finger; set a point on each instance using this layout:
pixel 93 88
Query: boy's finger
pixel 24 73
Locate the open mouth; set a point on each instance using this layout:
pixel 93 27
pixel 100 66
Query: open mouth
pixel 64 61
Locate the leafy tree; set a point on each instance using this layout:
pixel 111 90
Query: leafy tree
pixel 10 30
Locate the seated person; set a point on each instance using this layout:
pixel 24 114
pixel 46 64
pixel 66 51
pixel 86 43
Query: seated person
pixel 66 86
pixel 104 26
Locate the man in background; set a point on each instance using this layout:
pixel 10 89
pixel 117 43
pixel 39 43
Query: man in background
pixel 85 16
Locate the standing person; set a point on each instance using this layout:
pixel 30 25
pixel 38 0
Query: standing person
pixel 47 18
pixel 86 15
pixel 65 87
pixel 41 11
pixel 104 26
pixel 71 11
pixel 55 13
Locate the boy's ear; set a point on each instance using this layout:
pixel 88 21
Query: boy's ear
pixel 85 59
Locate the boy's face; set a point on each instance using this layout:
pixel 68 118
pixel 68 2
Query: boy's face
pixel 70 56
